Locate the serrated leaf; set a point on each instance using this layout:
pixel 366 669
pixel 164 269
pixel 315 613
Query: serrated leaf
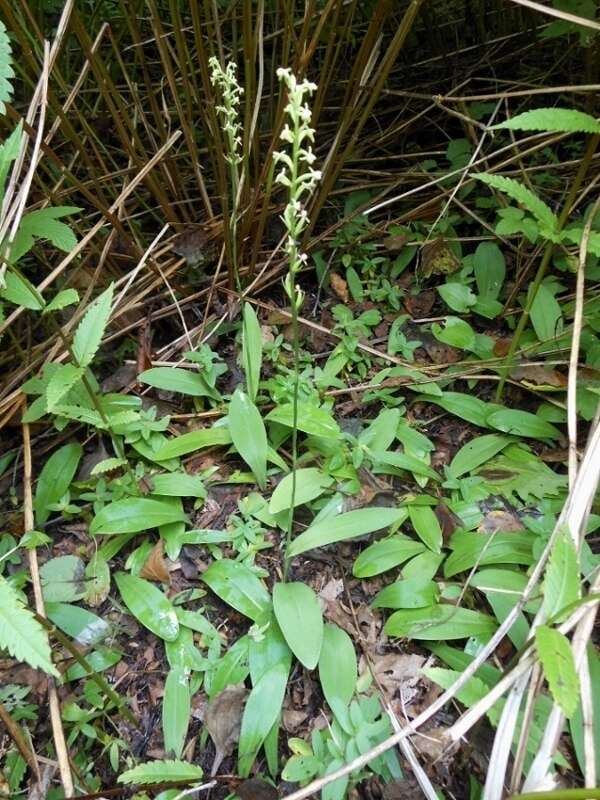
pixel 91 328
pixel 176 710
pixel 310 484
pixel 55 479
pixel 61 300
pixel 175 379
pixel 237 585
pixel 477 452
pixel 165 771
pixel 299 616
pixel 20 634
pixel 251 350
pixel 562 581
pixel 133 514
pixel 148 605
pixel 21 292
pixel 345 526
pixel 337 665
pixel 248 434
pixel 559 120
pixel 556 658
pixel 6 70
pixel 107 465
pixel 9 150
pixel 44 223
pixel 517 191
pixel 62 381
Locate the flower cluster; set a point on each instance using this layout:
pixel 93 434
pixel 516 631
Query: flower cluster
pixel 231 92
pixel 297 172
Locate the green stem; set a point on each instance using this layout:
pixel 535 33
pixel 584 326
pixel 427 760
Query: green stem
pixel 562 794
pixel 545 262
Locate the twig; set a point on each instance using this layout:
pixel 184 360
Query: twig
pixel 15 733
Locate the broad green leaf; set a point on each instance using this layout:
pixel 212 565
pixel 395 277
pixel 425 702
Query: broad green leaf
pixel 80 624
pixel 427 526
pixel 385 554
pixel 134 514
pixel 414 592
pixel 269 649
pixel 175 379
pixel 524 196
pixel 261 711
pixel 55 478
pixel 98 660
pixel 556 657
pixel 381 432
pixel 311 419
pixel 238 586
pixel 67 297
pixel 477 452
pixel 299 615
pixel 90 330
pixel 458 296
pixel 231 669
pixel 251 350
pixel 403 461
pixel 248 434
pixel 63 579
pixel 97 580
pixel 489 267
pixel 192 441
pixel 176 710
pixel 178 484
pixel 456 332
pixel 522 423
pixel 345 526
pixel 546 314
pixel 62 381
pixel 562 581
pixel 564 120
pixel 148 605
pixel 465 406
pixel 503 588
pixel 20 634
pixel 21 292
pixel 483 549
pixel 310 484
pixel 337 665
pixel 439 622
pixel 183 652
pixel 165 771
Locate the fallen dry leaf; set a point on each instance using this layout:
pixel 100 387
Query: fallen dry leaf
pixel 339 287
pixel 539 375
pixel 155 567
pixel 396 672
pixel 223 720
pixel 500 522
pixel 420 305
pixel 395 242
pixel 255 789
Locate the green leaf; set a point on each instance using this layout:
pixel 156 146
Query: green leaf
pixel 261 712
pixel 482 549
pixel 465 406
pixel 516 472
pixel 577 726
pixel 20 634
pixel 44 224
pixel 63 579
pixel 63 379
pixel 311 419
pixel 251 350
pixel 248 434
pixel 427 526
pixel 178 484
pixel 238 586
pixel 310 484
pixel 403 461
pixel 161 772
pixel 80 624
pixel 55 478
pixel 91 328
pixel 439 622
pixel 522 423
pixel 192 441
pixel 489 267
pixel 298 613
pixel 174 379
pixel 502 589
pixel 67 297
pixel 385 554
pixel 456 332
pixel 21 292
pixel 148 605
pixel 133 514
pixel 546 314
pixel 345 526
pixel 556 658
pixel 559 120
pixel 337 665
pixel 562 582
pixel 457 296
pixel 477 452
pixel 416 592
pixel 176 710
pixel 6 70
pixel 524 196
